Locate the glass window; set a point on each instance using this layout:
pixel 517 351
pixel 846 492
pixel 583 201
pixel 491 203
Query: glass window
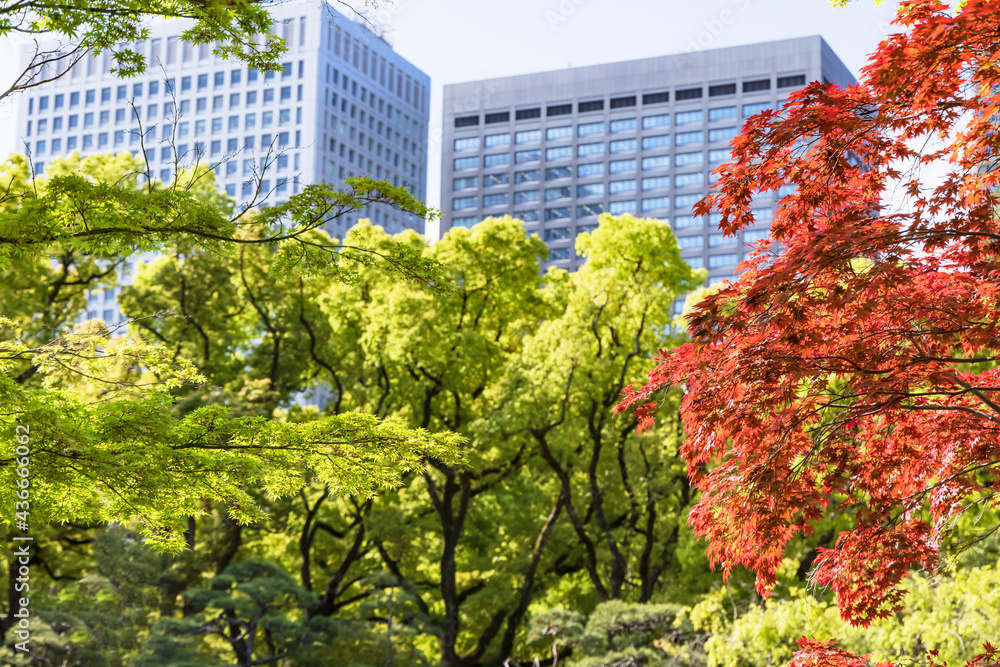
pixel 267 119
pixel 721 113
pixel 715 240
pixel 718 261
pixel 751 109
pixel 251 121
pixel 284 116
pixel 560 213
pixel 656 141
pixel 690 242
pixel 105 117
pixel 527 156
pixel 73 121
pixel 682 159
pixel 199 128
pixel 526 216
pixel 558 153
pixel 57 123
pixel 89 96
pixel 587 210
pixel 463 222
pixel 529 176
pixel 556 254
pixel 618 166
pixel 527 196
pixel 528 136
pixel 684 138
pixel 655 203
pixel 657 162
pixel 584 170
pixel 88 119
pixel 185 84
pixel 496 200
pixel 496 160
pixel 461 203
pixel 722 134
pixel 588 129
pixel 563 132
pixel 686 180
pixel 557 234
pixel 590 190
pixel 583 150
pixel 492 180
pixel 554 173
pixel 558 193
pixel 616 187
pixel 657 182
pixel 619 207
pixel 71 143
pixel 689 117
pixel 202 81
pixel 623 145
pixel 681 201
pixel 286 93
pixel 763 214
pixel 105 97
pixel 755 235
pixel 660 120
pixel 466 163
pixel 119 115
pixel 719 155
pixel 74 100
pixel 497 140
pixel 623 125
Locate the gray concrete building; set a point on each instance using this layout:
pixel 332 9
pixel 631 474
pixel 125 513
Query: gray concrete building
pixel 556 149
pixel 345 103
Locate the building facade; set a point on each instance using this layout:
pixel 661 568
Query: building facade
pixel 556 149
pixel 343 104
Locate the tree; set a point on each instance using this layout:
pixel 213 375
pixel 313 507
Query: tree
pixel 855 369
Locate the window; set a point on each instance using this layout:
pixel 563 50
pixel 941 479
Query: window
pixel 722 89
pixel 751 109
pixel 715 240
pixel 622 145
pixel 763 215
pixel 497 140
pixel 755 86
pixel 498 117
pixel 683 159
pixel 463 222
pixel 683 201
pixel 73 121
pixel 496 200
pixel 687 180
pixel 690 242
pixel 558 193
pixel 617 187
pixel 527 136
pixel 89 96
pixel 587 210
pixel 105 117
pixel 119 115
pixel 529 176
pixel 656 141
pixel 657 182
pixel 722 134
pixel 563 132
pixel 268 95
pixel 655 98
pixel 284 116
pixel 556 254
pixel 527 114
pixel 267 119
pixel 623 125
pixel 791 81
pixel 234 123
pixel 619 166
pixel 202 81
pixel 88 119
pixel 469 143
pixel 753 236
pixel 584 170
pixel 619 207
pixel 462 203
pixel 105 97
pixel 527 197
pixel 623 102
pixel 720 155
pixel 560 213
pixel 558 153
pixel 688 94
pixel 74 100
pixel 554 173
pixel 657 162
pixel 719 261
pixel 655 203
pixel 589 128
pixel 496 160
pixel 583 150
pixel 57 124
pixel 492 180
pixel 557 234
pixel 557 110
pixel 594 105
pixel 721 113
pixel 199 128
pixel 466 163
pixel 689 117
pixel 590 190
pixel 684 138
pixel 122 93
pixel 526 216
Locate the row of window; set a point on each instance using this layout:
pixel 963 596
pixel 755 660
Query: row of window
pixel 598 189
pixel 118 138
pixel 716 90
pixel 617 208
pixel 554 194
pixel 374 66
pixel 582 150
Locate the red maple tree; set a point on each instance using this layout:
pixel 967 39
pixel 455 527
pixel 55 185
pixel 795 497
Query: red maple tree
pixel 857 368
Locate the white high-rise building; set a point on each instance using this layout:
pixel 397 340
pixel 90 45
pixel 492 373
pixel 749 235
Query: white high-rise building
pixel 343 104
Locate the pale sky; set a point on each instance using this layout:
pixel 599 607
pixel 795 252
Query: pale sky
pixel 455 41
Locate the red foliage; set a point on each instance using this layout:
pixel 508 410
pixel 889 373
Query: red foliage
pixel 856 370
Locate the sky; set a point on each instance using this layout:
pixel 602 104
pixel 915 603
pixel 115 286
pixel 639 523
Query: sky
pixel 470 40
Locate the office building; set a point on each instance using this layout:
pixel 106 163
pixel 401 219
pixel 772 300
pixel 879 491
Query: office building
pixel 556 149
pixel 344 103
